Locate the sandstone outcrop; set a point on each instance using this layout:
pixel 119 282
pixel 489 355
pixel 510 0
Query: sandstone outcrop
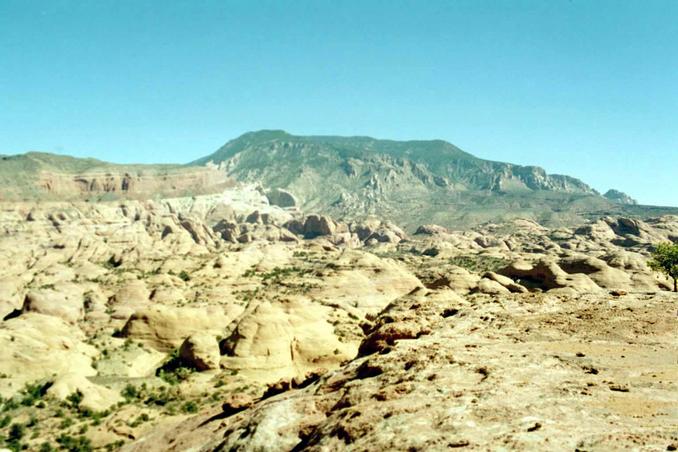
pixel 165 328
pixel 200 351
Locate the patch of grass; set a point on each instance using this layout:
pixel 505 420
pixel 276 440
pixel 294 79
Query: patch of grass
pixel 278 273
pixel 479 263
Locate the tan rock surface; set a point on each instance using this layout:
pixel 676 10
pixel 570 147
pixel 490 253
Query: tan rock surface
pixel 335 332
pixel 165 328
pixel 200 351
pixel 449 378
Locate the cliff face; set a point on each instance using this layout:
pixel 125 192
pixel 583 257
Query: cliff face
pixel 191 181
pixel 39 176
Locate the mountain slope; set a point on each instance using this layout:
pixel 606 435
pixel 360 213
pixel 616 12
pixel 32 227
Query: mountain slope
pixel 410 182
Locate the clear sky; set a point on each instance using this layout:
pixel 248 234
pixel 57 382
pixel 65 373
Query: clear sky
pixel 587 88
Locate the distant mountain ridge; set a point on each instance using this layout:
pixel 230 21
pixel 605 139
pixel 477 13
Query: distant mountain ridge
pixel 350 178
pixel 442 162
pixel 410 182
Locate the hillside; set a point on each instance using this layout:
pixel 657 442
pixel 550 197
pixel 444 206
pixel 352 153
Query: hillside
pixel 43 176
pixel 409 182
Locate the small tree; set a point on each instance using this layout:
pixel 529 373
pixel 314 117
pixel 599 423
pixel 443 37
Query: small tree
pixel 665 260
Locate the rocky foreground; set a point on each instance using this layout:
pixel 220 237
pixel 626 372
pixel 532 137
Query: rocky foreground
pixel 238 322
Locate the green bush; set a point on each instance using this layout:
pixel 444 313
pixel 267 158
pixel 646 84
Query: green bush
pixel 665 260
pixel 130 392
pixel 189 407
pixel 174 370
pixel 33 392
pixel 75 399
pixel 74 444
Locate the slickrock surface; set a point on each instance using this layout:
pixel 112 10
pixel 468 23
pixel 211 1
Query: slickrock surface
pixel 439 372
pixel 235 321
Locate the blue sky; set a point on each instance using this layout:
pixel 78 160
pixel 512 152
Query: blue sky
pixel 585 88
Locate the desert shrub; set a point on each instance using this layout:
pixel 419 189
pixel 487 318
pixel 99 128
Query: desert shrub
pixel 139 420
pixel 174 370
pixel 9 404
pixel 161 397
pixel 189 407
pixel 97 416
pixel 278 273
pixel 75 399
pixel 67 422
pixel 33 392
pixel 130 392
pixel 16 433
pixel 114 445
pixel 184 276
pixel 74 444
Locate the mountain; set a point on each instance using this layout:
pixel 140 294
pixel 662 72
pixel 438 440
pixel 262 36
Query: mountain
pixel 44 176
pixel 619 197
pixel 410 182
pixel 349 178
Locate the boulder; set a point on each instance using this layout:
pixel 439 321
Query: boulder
pixel 430 229
pixel 228 230
pixel 199 232
pixel 365 228
pixel 200 351
pixel 458 279
pixel 317 225
pixel 545 274
pixel 490 287
pixel 281 198
pixel 598 270
pixel 507 282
